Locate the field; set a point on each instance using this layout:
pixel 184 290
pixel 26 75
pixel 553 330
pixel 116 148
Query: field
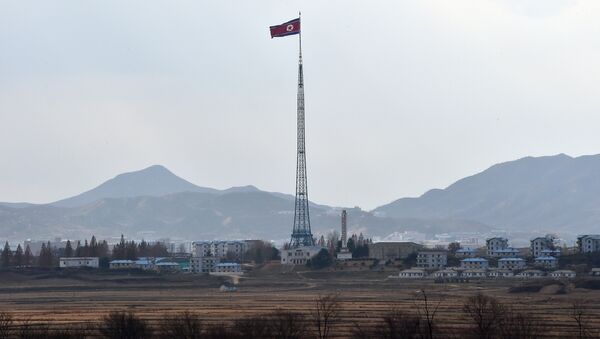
pixel 60 298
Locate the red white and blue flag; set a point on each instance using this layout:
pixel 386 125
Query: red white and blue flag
pixel 289 28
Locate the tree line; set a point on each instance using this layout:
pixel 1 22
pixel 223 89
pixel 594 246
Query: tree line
pixel 485 317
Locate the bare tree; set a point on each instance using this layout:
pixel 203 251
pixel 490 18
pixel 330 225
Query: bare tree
pixel 124 325
pixel 325 314
pixel 288 325
pixel 253 328
pixel 399 325
pixel 579 313
pixel 519 325
pixel 427 312
pixel 486 313
pixel 6 325
pixel 184 325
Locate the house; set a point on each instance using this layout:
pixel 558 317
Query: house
pixel 445 273
pixel 76 262
pixel 121 264
pixel 493 245
pixel 588 243
pixel 474 263
pixel 167 266
pixel 412 273
pixel 500 273
pixel 466 253
pixel 390 250
pixel 531 274
pixel 300 255
pixel 203 264
pixel 595 272
pixel 511 263
pixel 563 274
pixel 549 262
pixel 232 249
pixel 432 259
pixel 474 273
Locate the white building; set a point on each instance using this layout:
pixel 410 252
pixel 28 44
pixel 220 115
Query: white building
pixel 474 263
pixel 432 259
pixel 203 264
pixel 474 273
pixel 595 272
pixel 76 262
pixel 299 256
pixel 493 245
pixel 412 273
pixel 500 273
pixel 466 253
pixel 563 274
pixel 544 246
pixel 121 264
pixel 531 274
pixel 446 273
pixel 232 249
pixel 588 243
pixel 227 268
pixel 549 262
pixel 511 263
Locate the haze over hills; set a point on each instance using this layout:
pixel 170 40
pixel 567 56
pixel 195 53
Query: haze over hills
pixel 555 193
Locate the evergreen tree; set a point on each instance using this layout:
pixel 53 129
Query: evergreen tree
pixel 68 249
pixel 46 257
pixel 18 257
pixel 28 256
pixel 93 247
pixel 78 249
pixel 103 249
pixel 6 257
pixel 86 249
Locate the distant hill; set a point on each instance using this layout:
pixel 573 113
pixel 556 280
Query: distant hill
pixel 552 193
pixel 154 181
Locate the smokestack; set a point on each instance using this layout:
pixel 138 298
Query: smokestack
pixel 344 233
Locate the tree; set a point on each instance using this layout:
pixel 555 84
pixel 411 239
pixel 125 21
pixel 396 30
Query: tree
pixel 46 257
pixel 580 314
pixel 28 256
pixel 288 325
pixel 325 314
pixel 453 247
pixel 185 325
pixel 68 249
pixel 18 257
pixel 486 313
pixel 6 258
pixel 93 251
pixel 321 260
pixel 6 325
pixel 519 325
pixel 427 312
pixel 120 325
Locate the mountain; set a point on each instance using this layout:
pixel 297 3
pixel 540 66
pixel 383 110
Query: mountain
pixel 558 193
pixel 154 181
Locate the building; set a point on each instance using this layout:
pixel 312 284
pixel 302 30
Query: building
pixel 466 253
pixel 121 264
pixel 445 273
pixel 563 274
pixel 432 259
pixel 544 246
pixel 412 273
pixel 531 274
pixel 474 273
pixel 588 243
pixel 344 253
pixel 203 264
pixel 227 268
pixel 500 273
pixel 511 263
pixel 393 250
pixel 549 262
pixel 76 262
pixel 474 263
pixel 299 256
pixel 493 245
pixel 230 249
pixel 168 266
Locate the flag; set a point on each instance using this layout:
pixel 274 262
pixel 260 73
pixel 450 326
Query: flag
pixel 288 28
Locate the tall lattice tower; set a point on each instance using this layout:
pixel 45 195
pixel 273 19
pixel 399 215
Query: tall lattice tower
pixel 301 233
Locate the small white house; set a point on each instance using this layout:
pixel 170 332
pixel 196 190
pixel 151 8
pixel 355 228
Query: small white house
pixel 531 274
pixel 300 255
pixel 550 262
pixel 474 263
pixel 447 273
pixel 412 273
pixel 501 273
pixel 474 273
pixel 227 268
pixel 563 274
pixel 76 262
pixel 595 272
pixel 121 264
pixel 511 263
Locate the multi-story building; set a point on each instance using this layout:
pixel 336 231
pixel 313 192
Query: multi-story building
pixel 227 268
pixel 588 243
pixel 203 264
pixel 511 263
pixel 299 256
pixel 466 252
pixel 493 245
pixel 474 263
pixel 230 249
pixel 432 259
pixel 76 262
pixel 391 250
pixel 542 246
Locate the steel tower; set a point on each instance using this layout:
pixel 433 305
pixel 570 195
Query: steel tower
pixel 301 233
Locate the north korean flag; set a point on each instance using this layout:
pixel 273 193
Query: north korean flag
pixel 289 28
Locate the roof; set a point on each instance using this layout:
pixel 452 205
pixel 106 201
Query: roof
pixel 466 250
pixel 413 270
pixel 227 264
pixel 121 262
pixel 167 264
pixel 78 258
pixel 593 236
pixel 563 271
pixel 545 258
pixel 474 260
pixel 499 238
pixel 511 259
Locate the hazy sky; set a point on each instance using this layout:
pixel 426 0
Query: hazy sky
pixel 401 96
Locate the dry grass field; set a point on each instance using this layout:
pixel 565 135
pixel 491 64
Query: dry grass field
pixel 60 298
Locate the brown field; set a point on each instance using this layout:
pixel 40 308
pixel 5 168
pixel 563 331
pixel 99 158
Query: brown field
pixel 60 298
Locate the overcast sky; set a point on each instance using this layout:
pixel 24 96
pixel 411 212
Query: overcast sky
pixel 401 96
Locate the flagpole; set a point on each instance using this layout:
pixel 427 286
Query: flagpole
pixel 300 36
